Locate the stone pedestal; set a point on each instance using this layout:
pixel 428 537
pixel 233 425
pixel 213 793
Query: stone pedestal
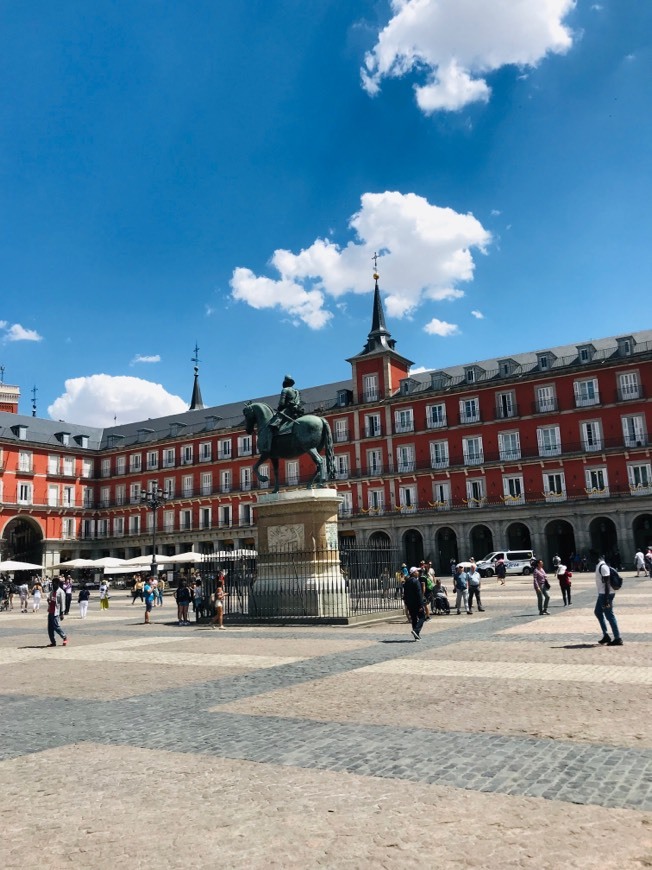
pixel 298 565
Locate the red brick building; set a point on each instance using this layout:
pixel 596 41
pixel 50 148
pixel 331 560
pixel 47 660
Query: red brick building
pixel 547 450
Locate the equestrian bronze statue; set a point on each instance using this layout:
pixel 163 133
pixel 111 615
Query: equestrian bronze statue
pixel 279 436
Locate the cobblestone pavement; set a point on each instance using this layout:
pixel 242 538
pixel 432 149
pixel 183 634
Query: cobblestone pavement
pixel 501 739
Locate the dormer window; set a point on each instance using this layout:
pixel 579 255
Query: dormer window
pixel 212 421
pixel 506 367
pixel 585 353
pixel 545 361
pixel 20 432
pixel 63 437
pixel 176 427
pixel 439 380
pixel 407 386
pixel 625 345
pixel 343 398
pixel 82 440
pixel 143 434
pixel 469 375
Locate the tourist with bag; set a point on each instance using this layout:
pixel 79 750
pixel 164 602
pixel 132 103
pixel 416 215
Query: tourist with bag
pixel 564 577
pixel 607 580
pixel 541 587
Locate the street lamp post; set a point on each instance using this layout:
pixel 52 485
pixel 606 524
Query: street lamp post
pixel 153 499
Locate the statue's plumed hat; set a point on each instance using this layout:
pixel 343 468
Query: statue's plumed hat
pixel 288 381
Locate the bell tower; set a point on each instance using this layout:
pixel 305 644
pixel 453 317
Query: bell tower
pixel 378 369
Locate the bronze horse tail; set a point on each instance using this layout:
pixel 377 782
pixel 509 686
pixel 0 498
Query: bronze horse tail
pixel 330 453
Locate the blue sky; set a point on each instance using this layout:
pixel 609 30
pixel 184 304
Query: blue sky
pixel 221 173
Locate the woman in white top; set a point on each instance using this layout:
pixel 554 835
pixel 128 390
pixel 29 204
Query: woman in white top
pixel 104 595
pixel 37 592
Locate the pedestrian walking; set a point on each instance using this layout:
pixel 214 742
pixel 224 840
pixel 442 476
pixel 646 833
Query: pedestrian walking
pixel 501 571
pixel 82 600
pixel 648 561
pixel 104 595
pixel 182 596
pixel 604 606
pixel 56 603
pixel 149 596
pixel 414 602
pixel 218 603
pixel 564 578
pixel 159 593
pixel 67 589
pixel 541 587
pixel 639 562
pixel 461 587
pixel 137 591
pixel 37 594
pixel 198 599
pixel 474 582
pixel 23 594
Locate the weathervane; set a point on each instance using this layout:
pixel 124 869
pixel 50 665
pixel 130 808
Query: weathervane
pixel 34 392
pixel 2 374
pixel 375 259
pixel 195 358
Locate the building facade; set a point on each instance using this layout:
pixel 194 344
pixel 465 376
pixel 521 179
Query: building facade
pixel 547 450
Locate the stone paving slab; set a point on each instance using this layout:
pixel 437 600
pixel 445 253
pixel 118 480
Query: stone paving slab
pixel 524 708
pixel 242 814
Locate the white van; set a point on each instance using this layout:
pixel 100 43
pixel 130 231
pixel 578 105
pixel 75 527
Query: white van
pixel 516 562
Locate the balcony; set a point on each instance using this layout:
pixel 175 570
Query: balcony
pixel 225 487
pixel 432 423
pixel 630 393
pixel 470 416
pixel 403 428
pixel 636 440
pixel 510 453
pixel 550 449
pixel 474 458
pixel 440 463
pixel 370 395
pixel 506 413
pixel 594 446
pixel 342 475
pixel 374 470
pixel 596 492
pixel 373 431
pixel 406 466
pixel 587 401
pixel 545 406
pixel 341 436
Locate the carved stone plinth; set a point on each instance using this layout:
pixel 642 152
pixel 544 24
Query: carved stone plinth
pixel 298 566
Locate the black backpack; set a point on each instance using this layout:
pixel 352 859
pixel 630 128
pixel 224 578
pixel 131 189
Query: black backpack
pixel 615 580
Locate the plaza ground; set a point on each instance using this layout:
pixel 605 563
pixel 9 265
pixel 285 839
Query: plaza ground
pixel 501 739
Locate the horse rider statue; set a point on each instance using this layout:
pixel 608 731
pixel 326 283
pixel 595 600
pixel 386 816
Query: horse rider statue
pixel 289 406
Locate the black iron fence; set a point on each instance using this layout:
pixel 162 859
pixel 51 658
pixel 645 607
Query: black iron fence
pixel 321 585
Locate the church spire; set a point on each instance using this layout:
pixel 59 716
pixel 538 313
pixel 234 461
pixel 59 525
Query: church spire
pixel 380 337
pixel 196 403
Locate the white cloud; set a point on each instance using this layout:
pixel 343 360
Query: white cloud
pixel 424 250
pixel 16 332
pixel 457 42
pixel 440 327
pixel 139 358
pixel 478 315
pixel 417 370
pixel 97 399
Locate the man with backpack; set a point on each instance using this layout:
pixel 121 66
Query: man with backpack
pixel 607 581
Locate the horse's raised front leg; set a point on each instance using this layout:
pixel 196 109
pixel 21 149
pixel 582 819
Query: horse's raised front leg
pixel 262 478
pixel 316 458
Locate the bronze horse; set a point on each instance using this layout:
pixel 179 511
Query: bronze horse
pixel 307 434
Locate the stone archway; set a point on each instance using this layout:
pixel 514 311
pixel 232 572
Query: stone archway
pixel 412 547
pixel 604 540
pixel 560 539
pixel 518 537
pixel 481 541
pixel 446 541
pixel 23 540
pixel 642 529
